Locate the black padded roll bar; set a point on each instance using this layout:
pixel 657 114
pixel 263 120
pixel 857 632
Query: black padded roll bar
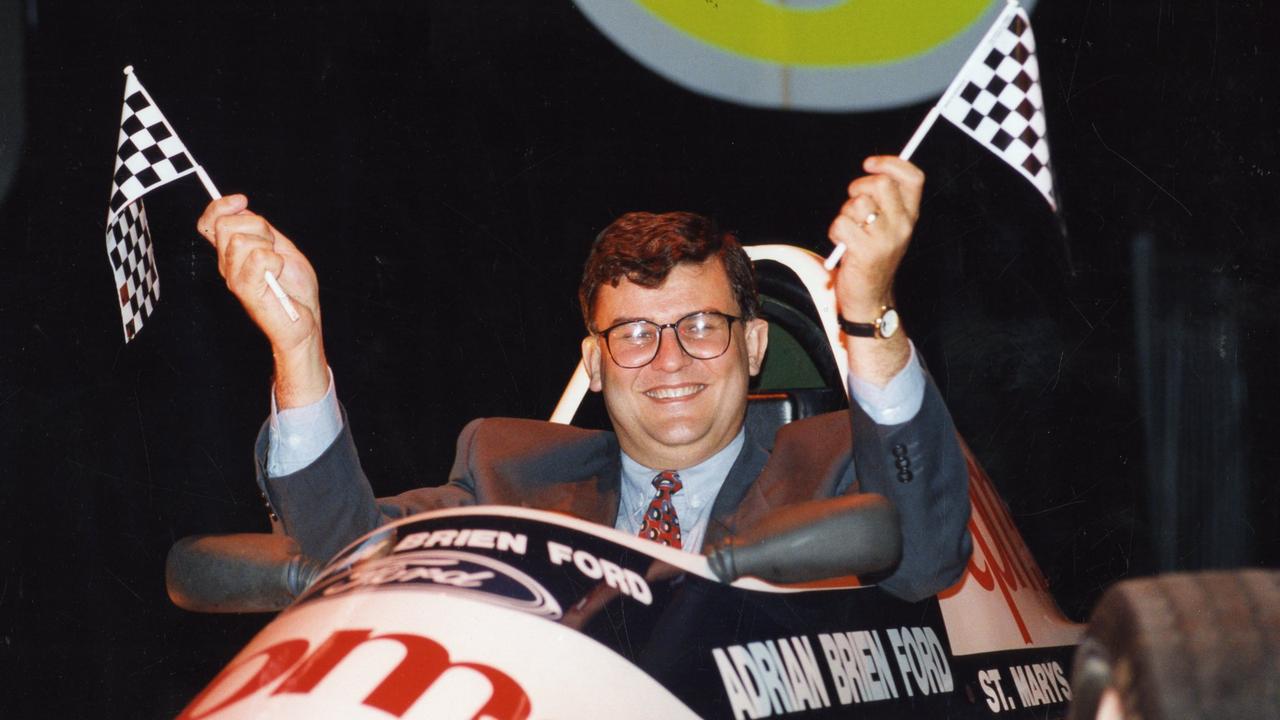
pixel 847 535
pixel 245 572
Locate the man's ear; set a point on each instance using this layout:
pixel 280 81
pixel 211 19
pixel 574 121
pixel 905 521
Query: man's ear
pixel 591 361
pixel 757 331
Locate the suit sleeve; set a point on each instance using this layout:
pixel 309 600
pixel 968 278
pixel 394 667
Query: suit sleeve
pixel 919 466
pixel 329 503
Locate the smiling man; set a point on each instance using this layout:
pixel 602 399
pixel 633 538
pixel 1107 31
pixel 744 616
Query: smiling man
pixel 674 340
pixel 671 310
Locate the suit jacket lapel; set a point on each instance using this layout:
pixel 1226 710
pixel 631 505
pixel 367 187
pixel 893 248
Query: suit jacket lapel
pixel 744 472
pixel 588 487
pixel 537 464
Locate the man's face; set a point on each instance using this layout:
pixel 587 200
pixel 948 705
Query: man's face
pixel 676 411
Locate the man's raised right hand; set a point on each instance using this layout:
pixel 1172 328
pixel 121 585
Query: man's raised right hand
pixel 248 247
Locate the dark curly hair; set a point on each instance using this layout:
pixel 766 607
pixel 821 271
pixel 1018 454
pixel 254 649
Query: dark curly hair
pixel 644 247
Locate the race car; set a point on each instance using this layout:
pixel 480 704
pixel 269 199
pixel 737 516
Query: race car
pixel 500 612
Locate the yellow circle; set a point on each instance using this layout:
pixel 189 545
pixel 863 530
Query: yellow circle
pixel 855 32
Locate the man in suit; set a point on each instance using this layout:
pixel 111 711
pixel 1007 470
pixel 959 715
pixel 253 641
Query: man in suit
pixel 673 338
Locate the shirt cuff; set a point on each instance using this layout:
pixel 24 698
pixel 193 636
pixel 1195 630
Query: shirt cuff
pixel 899 400
pixel 297 436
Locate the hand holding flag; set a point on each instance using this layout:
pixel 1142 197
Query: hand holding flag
pixel 269 276
pixel 996 100
pixel 249 248
pixel 875 223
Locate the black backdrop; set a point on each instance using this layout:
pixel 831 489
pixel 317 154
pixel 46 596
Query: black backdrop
pixel 445 166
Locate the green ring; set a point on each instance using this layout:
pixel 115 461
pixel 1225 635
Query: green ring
pixel 855 32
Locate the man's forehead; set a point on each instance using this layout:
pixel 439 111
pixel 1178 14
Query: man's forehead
pixel 688 288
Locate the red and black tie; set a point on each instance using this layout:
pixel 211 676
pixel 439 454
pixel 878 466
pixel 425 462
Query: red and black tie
pixel 660 521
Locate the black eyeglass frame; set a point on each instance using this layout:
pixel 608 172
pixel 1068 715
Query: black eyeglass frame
pixel 674 326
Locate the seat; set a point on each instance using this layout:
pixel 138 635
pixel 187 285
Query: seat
pixel 800 377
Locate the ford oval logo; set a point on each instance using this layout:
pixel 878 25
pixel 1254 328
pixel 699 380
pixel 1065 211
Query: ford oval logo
pixel 455 572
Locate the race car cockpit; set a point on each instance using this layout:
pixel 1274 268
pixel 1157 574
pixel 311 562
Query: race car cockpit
pixel 514 613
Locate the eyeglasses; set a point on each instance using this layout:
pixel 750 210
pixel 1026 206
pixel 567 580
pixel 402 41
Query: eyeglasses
pixel 701 335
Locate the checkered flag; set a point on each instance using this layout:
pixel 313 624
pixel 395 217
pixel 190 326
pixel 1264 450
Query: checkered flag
pixel 149 152
pixel 134 263
pixel 996 99
pixel 148 155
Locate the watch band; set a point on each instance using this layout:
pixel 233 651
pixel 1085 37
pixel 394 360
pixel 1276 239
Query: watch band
pixel 884 326
pixel 854 329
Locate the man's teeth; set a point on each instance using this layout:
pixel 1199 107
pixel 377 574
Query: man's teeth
pixel 676 392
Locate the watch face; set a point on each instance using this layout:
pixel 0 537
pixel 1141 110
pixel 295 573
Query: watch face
pixel 888 323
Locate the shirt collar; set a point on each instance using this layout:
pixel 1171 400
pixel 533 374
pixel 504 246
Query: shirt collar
pixel 702 480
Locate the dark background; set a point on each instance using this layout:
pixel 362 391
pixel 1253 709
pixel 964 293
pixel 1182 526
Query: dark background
pixel 445 166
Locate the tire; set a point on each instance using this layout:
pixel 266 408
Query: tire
pixel 1183 646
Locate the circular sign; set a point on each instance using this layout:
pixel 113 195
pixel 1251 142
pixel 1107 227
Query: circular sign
pixel 825 55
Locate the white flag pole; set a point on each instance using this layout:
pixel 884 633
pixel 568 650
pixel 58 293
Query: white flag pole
pixel 1011 6
pixel 270 277
pixel 934 113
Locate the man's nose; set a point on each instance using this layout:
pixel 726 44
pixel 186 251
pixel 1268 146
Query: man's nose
pixel 670 355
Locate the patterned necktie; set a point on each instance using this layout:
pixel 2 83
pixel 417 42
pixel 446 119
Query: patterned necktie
pixel 660 521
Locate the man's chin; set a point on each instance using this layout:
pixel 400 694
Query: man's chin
pixel 681 438
pixel 673 446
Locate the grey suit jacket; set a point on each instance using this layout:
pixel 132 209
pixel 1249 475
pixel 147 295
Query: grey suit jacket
pixel 918 465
